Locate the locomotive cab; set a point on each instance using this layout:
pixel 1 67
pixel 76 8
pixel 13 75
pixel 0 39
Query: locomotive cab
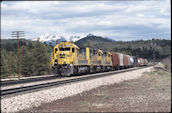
pixel 64 54
pixel 64 57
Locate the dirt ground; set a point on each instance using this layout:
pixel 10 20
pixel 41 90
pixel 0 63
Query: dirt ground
pixel 149 93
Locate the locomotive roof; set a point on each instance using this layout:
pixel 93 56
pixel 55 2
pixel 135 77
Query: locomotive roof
pixel 69 43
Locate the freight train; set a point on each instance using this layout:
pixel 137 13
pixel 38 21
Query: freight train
pixel 68 59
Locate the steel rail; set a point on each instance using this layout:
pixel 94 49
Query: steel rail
pixel 28 80
pixel 58 83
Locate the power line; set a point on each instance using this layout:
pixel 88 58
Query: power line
pixel 18 34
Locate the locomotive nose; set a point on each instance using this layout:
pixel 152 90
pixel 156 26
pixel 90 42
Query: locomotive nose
pixel 55 62
pixel 62 55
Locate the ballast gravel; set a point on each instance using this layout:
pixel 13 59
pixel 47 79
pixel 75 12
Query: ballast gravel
pixel 32 83
pixel 35 99
pixel 56 79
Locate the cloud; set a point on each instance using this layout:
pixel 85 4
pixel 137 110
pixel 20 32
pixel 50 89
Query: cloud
pixel 124 19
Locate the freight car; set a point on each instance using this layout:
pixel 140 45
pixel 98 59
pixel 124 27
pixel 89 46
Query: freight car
pixel 117 60
pixel 121 61
pixel 142 62
pixel 135 61
pixel 68 59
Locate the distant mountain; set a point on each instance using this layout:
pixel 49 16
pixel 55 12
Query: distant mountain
pixel 50 39
pixel 76 38
pixel 109 39
pixel 91 39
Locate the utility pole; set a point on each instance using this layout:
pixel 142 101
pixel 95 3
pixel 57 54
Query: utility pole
pixel 18 34
pixel 50 64
pixel 153 52
pixel 160 54
pixel 154 56
pixel 10 66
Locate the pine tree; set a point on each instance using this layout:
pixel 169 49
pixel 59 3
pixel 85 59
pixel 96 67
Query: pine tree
pixel 26 62
pixel 4 64
pixel 40 59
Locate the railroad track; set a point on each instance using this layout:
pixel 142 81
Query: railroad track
pixel 17 90
pixel 28 80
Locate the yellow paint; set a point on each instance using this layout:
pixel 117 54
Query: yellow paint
pixel 88 55
pixel 99 57
pixel 64 54
pixel 109 58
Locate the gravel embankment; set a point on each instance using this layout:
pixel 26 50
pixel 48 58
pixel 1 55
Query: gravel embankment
pixel 44 81
pixel 31 83
pixel 22 78
pixel 34 99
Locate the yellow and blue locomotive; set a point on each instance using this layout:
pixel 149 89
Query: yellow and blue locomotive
pixel 68 59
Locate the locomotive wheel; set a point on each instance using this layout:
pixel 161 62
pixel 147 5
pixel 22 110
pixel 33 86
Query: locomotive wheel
pixel 88 71
pixel 75 71
pixel 59 74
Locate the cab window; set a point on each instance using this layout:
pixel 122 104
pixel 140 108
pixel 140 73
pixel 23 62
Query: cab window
pixel 94 52
pixel 64 49
pixel 99 54
pixel 105 54
pixel 56 50
pixel 73 50
pixel 80 51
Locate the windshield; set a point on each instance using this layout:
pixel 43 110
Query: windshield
pixel 64 49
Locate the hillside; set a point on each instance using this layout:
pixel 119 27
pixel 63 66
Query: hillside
pixel 35 56
pixel 91 40
pixel 142 48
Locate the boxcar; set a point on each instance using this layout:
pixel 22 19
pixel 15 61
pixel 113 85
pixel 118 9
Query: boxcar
pixel 141 61
pixel 132 61
pixel 138 61
pixel 135 61
pixel 145 62
pixel 125 61
pixel 129 60
pixel 117 60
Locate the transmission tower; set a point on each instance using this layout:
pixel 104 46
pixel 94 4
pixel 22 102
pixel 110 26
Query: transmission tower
pixel 18 34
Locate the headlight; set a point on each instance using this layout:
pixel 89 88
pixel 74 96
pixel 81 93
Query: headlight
pixel 55 61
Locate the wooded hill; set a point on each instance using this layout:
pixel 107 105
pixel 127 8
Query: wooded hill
pixel 35 56
pixel 141 48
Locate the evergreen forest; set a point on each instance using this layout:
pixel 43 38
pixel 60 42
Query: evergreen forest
pixel 35 56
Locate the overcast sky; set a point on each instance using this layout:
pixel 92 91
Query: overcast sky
pixel 118 20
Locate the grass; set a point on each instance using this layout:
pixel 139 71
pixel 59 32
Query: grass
pixel 106 97
pixel 99 94
pixel 157 71
pixel 87 103
pixel 149 73
pixel 162 72
pixel 158 75
pixel 102 94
